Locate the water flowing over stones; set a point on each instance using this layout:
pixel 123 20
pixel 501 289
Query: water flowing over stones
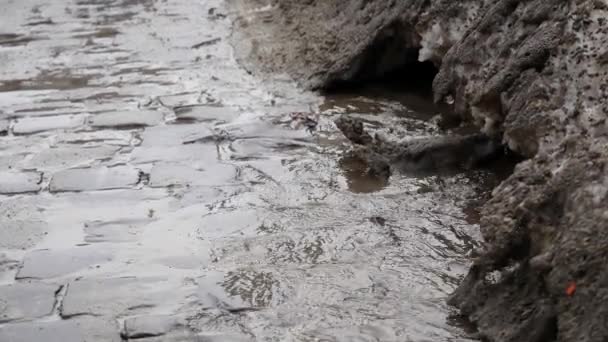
pixel 152 189
pixel 530 73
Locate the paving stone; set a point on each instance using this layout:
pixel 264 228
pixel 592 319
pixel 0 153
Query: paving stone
pixel 51 263
pixel 47 123
pixel 4 126
pixel 186 336
pixel 90 179
pixel 215 174
pixel 224 338
pixel 180 153
pixel 175 336
pixel 8 160
pixel 124 230
pixel 151 326
pixel 206 113
pixel 19 182
pixel 21 234
pixel 116 296
pixel 66 156
pixel 106 137
pixel 80 329
pixel 26 301
pixel 58 107
pixel 242 222
pixel 174 135
pixel 126 119
pixel 177 100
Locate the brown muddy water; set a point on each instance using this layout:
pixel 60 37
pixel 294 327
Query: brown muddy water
pixel 152 189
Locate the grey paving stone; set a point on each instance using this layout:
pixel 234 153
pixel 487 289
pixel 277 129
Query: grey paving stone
pixel 176 336
pixel 67 156
pixel 163 175
pixel 227 337
pixel 26 301
pixel 102 138
pixel 206 113
pixel 123 230
pixel 83 329
pixel 186 336
pixel 126 119
pixel 151 326
pixel 184 99
pixel 20 234
pixel 51 263
pixel 90 179
pixel 4 126
pixel 19 182
pixel 116 296
pixel 179 153
pixel 59 107
pixel 47 123
pixel 174 135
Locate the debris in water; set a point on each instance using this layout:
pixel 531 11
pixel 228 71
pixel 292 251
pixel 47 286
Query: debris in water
pixel 308 120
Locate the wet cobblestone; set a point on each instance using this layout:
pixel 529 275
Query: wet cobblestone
pixel 162 189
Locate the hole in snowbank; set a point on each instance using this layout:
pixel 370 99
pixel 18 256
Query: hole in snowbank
pixel 387 78
pixel 389 70
pixel 391 59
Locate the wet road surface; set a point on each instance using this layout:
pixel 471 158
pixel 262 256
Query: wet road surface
pixel 151 189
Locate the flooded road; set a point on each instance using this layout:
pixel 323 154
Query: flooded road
pixel 152 189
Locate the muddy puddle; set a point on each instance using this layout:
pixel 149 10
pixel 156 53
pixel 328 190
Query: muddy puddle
pixel 159 192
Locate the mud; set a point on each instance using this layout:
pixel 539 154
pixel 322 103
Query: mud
pixel 159 192
pixel 428 155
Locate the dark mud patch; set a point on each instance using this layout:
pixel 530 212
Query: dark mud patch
pixel 388 78
pixel 382 98
pixel 358 178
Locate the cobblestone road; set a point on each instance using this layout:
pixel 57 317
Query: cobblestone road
pixel 151 189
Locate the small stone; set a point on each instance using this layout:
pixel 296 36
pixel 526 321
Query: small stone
pixel 26 301
pixel 47 123
pixel 542 262
pixel 91 179
pixel 19 182
pixel 126 119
